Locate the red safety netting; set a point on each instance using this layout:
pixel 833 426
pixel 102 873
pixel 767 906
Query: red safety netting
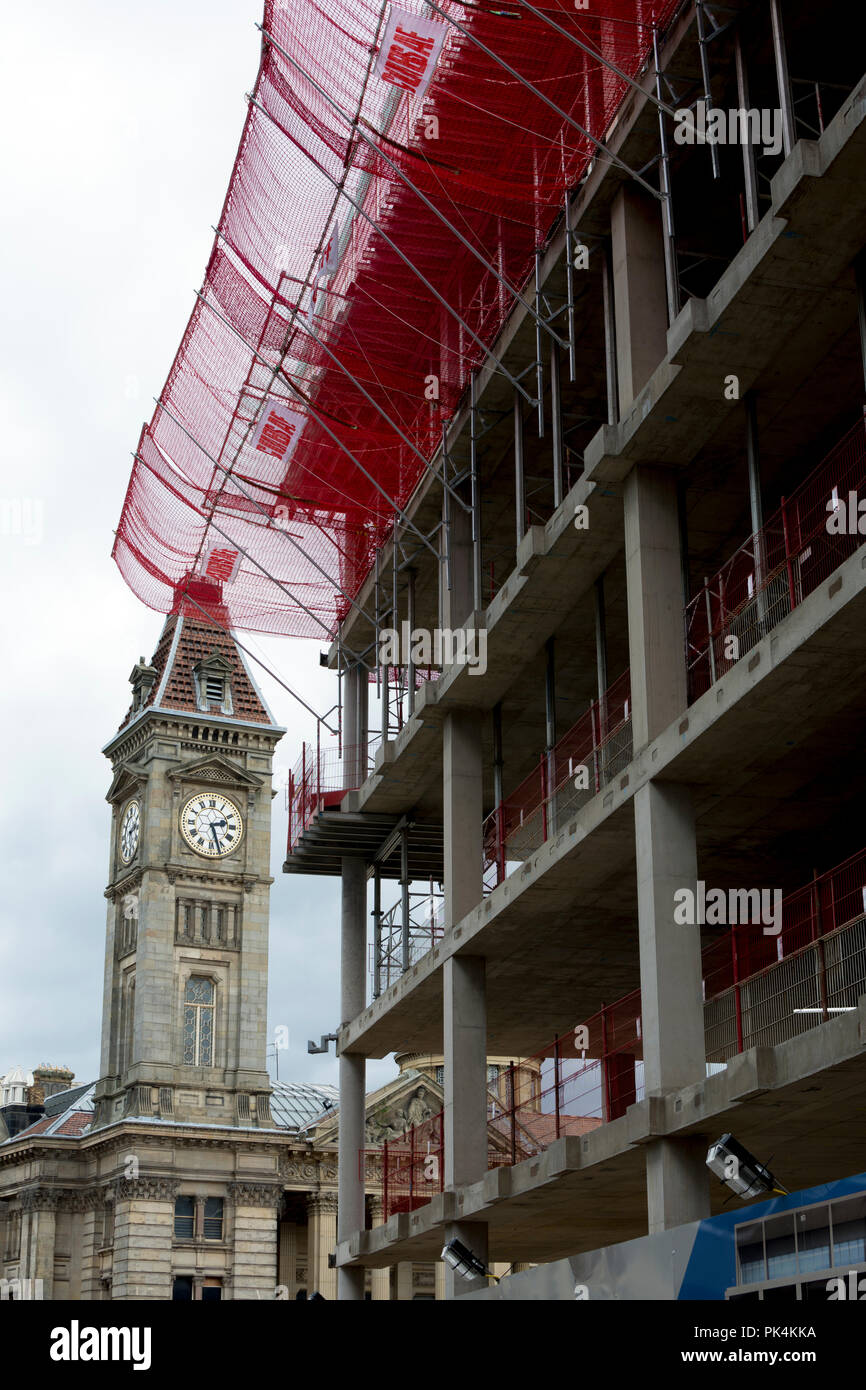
pixel 353 351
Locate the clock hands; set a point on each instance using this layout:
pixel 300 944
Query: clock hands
pixel 213 831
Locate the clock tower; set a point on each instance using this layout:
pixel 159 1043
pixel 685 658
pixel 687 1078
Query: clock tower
pixel 186 962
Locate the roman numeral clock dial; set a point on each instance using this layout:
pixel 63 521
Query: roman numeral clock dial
pixel 211 825
pixel 130 826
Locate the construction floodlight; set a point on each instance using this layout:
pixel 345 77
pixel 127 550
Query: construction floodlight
pixel 739 1169
pixel 462 1261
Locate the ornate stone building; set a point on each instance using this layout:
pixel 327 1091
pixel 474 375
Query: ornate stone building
pixel 182 1172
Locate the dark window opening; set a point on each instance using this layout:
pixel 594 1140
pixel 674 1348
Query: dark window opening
pixel 184 1219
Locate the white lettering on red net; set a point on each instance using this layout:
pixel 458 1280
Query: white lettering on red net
pixel 278 431
pixel 410 51
pixel 222 563
pixel 330 259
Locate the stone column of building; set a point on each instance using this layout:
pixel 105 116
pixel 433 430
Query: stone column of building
pixel 321 1240
pixel 40 1207
pixel 93 1207
pixel 254 1239
pixel 143 1233
pixel 287 1258
pixel 380 1279
pixel 670 960
pixel 439 1280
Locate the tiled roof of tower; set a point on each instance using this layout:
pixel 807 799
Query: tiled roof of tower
pixel 184 642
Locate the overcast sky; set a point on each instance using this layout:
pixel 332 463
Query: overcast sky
pixel 120 129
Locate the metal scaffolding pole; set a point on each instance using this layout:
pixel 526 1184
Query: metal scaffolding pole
pixel 519 484
pixel 705 75
pixel 600 639
pixel 569 280
pixel 550 723
pixel 404 883
pixel 786 100
pixel 539 364
pixel 410 664
pixel 477 582
pixel 556 423
pixel 756 508
pixel 609 336
pixel 750 173
pixel 671 277
pixel 497 754
pixel 377 932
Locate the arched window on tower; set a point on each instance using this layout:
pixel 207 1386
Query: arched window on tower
pixel 198 1021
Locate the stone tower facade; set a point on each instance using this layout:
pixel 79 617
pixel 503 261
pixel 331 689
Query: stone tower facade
pixel 185 992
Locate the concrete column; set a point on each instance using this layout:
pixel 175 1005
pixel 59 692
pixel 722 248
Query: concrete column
pixel 519 484
pixel 462 813
pixel 465 1035
pixel 352 1067
pixel 655 601
pixel 458 601
pixel 677 1183
pixel 439 1280
pixel 380 1279
pixel 670 953
pixel 639 290
pixel 321 1240
pixel 356 689
pixel 404 1281
pixel 672 1015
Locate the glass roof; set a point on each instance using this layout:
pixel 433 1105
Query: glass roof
pixel 295 1103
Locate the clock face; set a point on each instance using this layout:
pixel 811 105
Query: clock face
pixel 130 826
pixel 212 825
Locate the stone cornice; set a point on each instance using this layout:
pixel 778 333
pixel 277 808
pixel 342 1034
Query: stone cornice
pixel 153 721
pixel 156 1189
pixel 40 1198
pixel 127 884
pixel 254 1194
pixel 174 871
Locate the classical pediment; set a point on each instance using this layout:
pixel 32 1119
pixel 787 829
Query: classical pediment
pixel 128 780
pixel 216 771
pixel 409 1100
